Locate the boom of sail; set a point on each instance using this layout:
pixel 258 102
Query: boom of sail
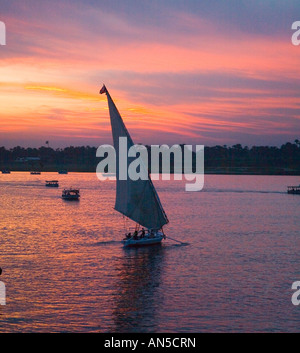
pixel 136 199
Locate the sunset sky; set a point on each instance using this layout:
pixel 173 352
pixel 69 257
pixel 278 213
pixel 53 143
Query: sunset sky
pixel 197 72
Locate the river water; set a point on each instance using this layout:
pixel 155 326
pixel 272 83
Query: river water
pixel 65 269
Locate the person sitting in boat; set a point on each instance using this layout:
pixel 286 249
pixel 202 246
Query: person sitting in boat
pixel 143 233
pixel 128 236
pixel 135 235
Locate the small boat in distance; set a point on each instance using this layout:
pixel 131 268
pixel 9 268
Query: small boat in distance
pixel 35 173
pixel 293 190
pixel 62 172
pixel 70 194
pixel 136 199
pixel 5 171
pixel 52 183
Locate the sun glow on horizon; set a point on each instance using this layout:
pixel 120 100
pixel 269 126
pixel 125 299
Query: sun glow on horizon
pixel 189 84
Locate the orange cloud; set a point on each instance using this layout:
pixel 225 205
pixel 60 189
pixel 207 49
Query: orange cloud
pixel 52 82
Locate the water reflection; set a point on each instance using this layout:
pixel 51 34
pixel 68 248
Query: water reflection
pixel 137 292
pixel 65 269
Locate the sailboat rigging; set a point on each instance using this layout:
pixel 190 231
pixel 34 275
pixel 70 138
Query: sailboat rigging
pixel 135 199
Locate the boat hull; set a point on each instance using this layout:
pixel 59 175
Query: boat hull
pixel 71 198
pixel 144 241
pixel 293 189
pixel 294 192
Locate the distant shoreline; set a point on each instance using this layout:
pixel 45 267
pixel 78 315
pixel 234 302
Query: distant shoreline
pixel 219 160
pixel 213 171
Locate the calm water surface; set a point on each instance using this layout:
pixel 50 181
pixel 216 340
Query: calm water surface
pixel 65 269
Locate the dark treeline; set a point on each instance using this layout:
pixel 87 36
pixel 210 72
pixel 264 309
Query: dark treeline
pixel 257 159
pixel 235 159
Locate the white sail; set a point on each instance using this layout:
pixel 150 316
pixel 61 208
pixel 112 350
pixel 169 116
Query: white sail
pixel 136 199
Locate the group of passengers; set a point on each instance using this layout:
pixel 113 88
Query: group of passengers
pixel 137 235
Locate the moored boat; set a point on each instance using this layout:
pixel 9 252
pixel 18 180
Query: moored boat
pixel 35 173
pixel 70 194
pixel 5 171
pixel 62 172
pixel 293 190
pixel 52 183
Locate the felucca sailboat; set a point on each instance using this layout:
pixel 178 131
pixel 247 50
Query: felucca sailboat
pixel 135 199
